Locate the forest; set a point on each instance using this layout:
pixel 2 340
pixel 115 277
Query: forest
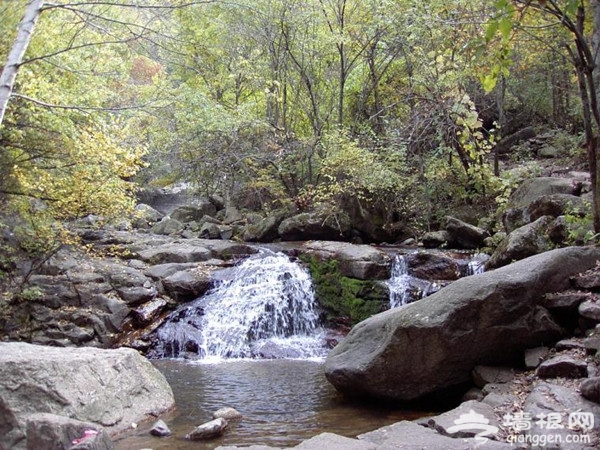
pixel 393 108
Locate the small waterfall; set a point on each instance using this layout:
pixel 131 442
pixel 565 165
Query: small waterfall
pixel 264 307
pixel 476 264
pixel 403 287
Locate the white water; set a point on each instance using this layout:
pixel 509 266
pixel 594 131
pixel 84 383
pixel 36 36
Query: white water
pixel 405 288
pixel 477 264
pixel 264 307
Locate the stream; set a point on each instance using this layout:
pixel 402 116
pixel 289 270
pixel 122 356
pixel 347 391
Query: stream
pixel 283 403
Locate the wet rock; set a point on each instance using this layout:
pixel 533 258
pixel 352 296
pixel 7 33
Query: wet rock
pixel 483 375
pixel 162 271
pixel 590 389
pixel 465 235
pixel 432 266
pixel 167 226
pixel 534 356
pixel 411 436
pixel 208 430
pixel 227 413
pixel 160 429
pixel 492 317
pixel 437 239
pixel 109 388
pixel 176 252
pixel 149 312
pixel 590 310
pixel 562 366
pixel 530 239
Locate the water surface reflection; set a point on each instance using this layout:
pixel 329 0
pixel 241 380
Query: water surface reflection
pixel 283 403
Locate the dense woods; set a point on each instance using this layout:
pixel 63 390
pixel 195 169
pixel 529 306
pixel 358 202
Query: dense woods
pixel 389 108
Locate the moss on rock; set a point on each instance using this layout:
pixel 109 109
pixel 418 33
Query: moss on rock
pixel 341 296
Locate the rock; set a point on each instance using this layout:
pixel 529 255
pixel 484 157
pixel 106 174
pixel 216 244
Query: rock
pixel 533 188
pixel 167 226
pixel 590 389
pixel 562 366
pixel 177 252
pixel 49 432
pixel 568 300
pixel 483 375
pixel 227 413
pixel 497 395
pixel 315 225
pixel 464 235
pixel 355 261
pixel 411 436
pixel 513 218
pixel 160 429
pixel 546 398
pixel 191 213
pixel 146 314
pixel 332 441
pixel 446 423
pixel 528 240
pixel 145 216
pixel 210 231
pixel 208 430
pixel 231 215
pixel 568 344
pixel 473 394
pixel 162 271
pixel 589 280
pixel 432 266
pixel 266 230
pixel 590 310
pixel 554 205
pixel 437 239
pixel 488 318
pixel 91 440
pixel 110 388
pixel 188 284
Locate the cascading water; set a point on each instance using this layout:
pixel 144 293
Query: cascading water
pixel 403 287
pixel 477 264
pixel 264 307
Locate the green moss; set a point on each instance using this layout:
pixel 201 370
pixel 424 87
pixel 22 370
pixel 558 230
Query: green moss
pixel 341 296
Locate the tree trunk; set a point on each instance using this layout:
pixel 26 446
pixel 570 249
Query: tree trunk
pixel 17 52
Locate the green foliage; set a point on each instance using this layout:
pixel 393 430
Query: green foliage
pixel 341 296
pixel 580 225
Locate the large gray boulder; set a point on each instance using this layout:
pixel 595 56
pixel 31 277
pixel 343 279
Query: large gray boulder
pixel 434 344
pixel 109 388
pixel 465 235
pixel 315 225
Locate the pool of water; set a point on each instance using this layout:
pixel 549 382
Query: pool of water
pixel 283 402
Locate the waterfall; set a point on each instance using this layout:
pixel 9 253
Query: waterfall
pixel 263 307
pixel 477 264
pixel 403 287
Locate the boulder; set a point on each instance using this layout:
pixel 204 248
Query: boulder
pixel 483 375
pixel 50 432
pixel 433 344
pixel 176 252
pixel 436 239
pixel 188 284
pixel 210 231
pixel 109 388
pixel 534 356
pixel 554 205
pixel 590 310
pixel 355 261
pixel 590 389
pixel 445 423
pixel 208 430
pixel 432 266
pixel 167 226
pixel 528 240
pixel 145 216
pixel 266 230
pixel 315 225
pixel 563 366
pixel 465 235
pixel 191 213
pixel 533 188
